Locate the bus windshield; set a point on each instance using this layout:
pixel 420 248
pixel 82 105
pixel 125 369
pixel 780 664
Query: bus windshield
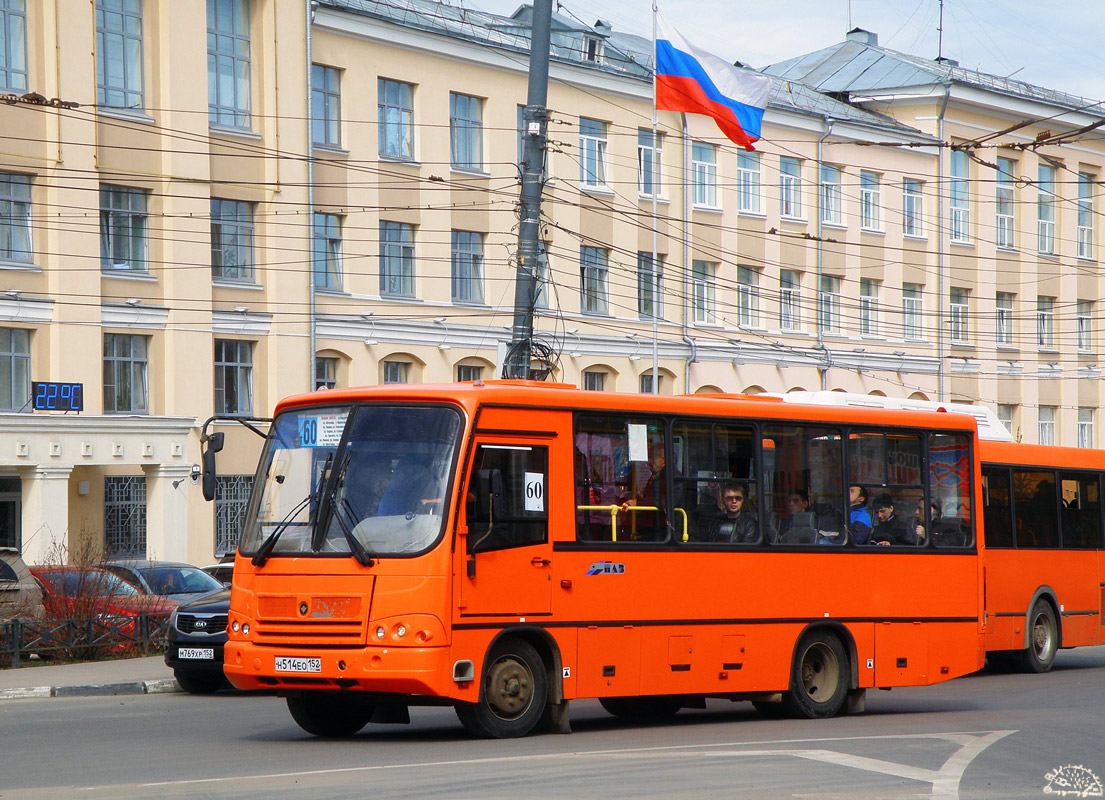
pixel 378 474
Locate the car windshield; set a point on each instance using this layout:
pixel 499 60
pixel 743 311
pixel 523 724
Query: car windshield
pixel 89 583
pixel 390 467
pixel 179 580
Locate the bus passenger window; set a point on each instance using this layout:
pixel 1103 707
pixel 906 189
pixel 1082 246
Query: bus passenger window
pixel 803 468
pixel 887 468
pixel 950 523
pixel 1036 508
pixel 997 514
pixel 621 479
pixel 506 492
pixel 710 455
pixel 1080 513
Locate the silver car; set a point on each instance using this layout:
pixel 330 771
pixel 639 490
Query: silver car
pixel 177 581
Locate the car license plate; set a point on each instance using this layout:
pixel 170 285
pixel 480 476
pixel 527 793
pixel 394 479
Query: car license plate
pixel 196 653
pixel 290 664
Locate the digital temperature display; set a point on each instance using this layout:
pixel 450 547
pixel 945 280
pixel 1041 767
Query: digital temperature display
pixel 54 396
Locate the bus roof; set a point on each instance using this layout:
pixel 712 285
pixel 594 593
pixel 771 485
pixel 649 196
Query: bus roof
pixel 566 396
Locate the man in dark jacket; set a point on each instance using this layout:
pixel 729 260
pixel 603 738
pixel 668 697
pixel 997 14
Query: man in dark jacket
pixel 890 528
pixel 736 524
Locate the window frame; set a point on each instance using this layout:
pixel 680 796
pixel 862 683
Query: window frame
pixel 397 267
pixel 790 188
pixel 326 106
pixel 593 153
pixel 790 300
pixel 650 153
pixel 959 199
pixel 650 297
pixel 125 208
pixel 1005 192
pixel 748 182
pixel 913 311
pixel 466 132
pixel 466 259
pixel 704 292
pixel 18 368
pixel 127 391
pixel 395 119
pixel 704 175
pixel 13 27
pixel 233 360
pixel 117 43
pixel 594 268
pixel 1045 209
pixel 228 45
pixel 232 228
pixel 870 201
pixel 15 217
pixel 326 250
pixel 868 307
pixel 829 189
pixel 1005 334
pixel 913 208
pixel 959 315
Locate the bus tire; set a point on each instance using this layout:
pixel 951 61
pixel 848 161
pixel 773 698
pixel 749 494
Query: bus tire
pixel 818 677
pixel 330 715
pixel 1043 638
pixel 513 693
pixel 641 709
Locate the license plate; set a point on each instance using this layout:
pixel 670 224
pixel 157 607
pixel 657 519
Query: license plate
pixel 196 653
pixel 290 664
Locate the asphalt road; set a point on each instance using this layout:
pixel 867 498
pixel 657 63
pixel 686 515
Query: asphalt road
pixel 990 735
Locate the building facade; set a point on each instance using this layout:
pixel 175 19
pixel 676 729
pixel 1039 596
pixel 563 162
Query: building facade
pixel 335 205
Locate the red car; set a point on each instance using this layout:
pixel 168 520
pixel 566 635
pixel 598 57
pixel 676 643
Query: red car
pixel 90 592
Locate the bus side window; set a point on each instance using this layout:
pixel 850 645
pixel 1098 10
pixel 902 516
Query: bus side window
pixel 997 514
pixel 1080 513
pixel 1036 508
pixel 949 509
pixel 506 504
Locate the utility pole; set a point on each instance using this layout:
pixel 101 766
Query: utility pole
pixel 535 123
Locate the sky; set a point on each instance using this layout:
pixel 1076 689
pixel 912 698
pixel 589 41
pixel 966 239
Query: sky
pixel 1057 45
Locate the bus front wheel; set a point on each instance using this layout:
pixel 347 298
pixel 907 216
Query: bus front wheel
pixel 513 694
pixel 1043 639
pixel 818 680
pixel 329 715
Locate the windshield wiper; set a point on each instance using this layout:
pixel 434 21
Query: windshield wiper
pixel 329 512
pixel 359 552
pixel 262 554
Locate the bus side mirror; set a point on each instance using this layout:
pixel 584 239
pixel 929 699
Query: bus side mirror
pixel 213 445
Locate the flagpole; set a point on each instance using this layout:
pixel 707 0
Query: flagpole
pixel 655 170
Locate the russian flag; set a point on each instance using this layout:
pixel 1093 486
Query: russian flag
pixel 697 82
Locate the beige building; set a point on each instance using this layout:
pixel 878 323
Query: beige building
pixel 339 208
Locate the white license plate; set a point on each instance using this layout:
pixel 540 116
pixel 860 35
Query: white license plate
pixel 290 664
pixel 196 653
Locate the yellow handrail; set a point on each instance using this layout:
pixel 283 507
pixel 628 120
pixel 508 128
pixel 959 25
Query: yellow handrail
pixel 614 516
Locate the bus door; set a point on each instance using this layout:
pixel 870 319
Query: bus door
pixel 503 558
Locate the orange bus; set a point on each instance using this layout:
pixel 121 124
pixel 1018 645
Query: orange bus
pixel 507 547
pixel 1044 534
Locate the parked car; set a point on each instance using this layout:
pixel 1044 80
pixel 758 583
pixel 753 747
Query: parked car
pixel 176 581
pixel 20 595
pixel 223 572
pixel 197 634
pixel 72 592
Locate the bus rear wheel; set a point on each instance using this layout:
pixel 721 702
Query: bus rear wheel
pixel 641 709
pixel 513 694
pixel 1043 639
pixel 818 679
pixel 330 715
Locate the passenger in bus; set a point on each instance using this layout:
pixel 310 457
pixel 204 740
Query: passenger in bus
pixel 859 518
pixel 738 524
pixel 708 507
pixel 412 490
pixel 796 526
pixel 890 528
pixel 650 524
pixel 919 527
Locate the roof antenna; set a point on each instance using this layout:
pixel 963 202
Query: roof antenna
pixel 940 36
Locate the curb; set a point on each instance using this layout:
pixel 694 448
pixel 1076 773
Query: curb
pixel 161 686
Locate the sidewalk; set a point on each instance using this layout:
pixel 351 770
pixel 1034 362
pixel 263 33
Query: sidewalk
pixel 124 676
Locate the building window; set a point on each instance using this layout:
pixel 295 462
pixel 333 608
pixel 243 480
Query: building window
pixel 1045 209
pixel 1085 215
pixel 650 298
pixel 1046 426
pixel 467 261
pixel 828 304
pixel 911 311
pixel 592 152
pixel 119 53
pixel 1005 415
pixel 1005 193
pixel 467 373
pixel 125 516
pixel 126 367
pixel 228 65
pixel 231 497
pixel 912 208
pixel 870 201
pixel 790 300
pixel 15 369
pixel 959 317
pixel 13 41
pixel 704 174
pixel 703 275
pixel 122 228
pixel 1004 302
pixel 959 201
pixel 593 264
pixel 593 49
pixel 326 372
pixel 397 372
pixel 1085 427
pixel 465 131
pixel 647 385
pixel 15 217
pixel 748 297
pixel 326 262
pixel 1045 322
pixel 1084 317
pixel 396 259
pixel 231 240
pixel 233 377
pixel 649 151
pixel 790 187
pixel 594 381
pixel 832 211
pixel 395 118
pixel 868 307
pixel 325 105
pixel 748 182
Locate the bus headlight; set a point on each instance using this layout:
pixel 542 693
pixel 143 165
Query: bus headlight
pixel 400 630
pixel 380 632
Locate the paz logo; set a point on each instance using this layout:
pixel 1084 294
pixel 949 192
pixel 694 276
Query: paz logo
pixel 606 568
pixel 1073 781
